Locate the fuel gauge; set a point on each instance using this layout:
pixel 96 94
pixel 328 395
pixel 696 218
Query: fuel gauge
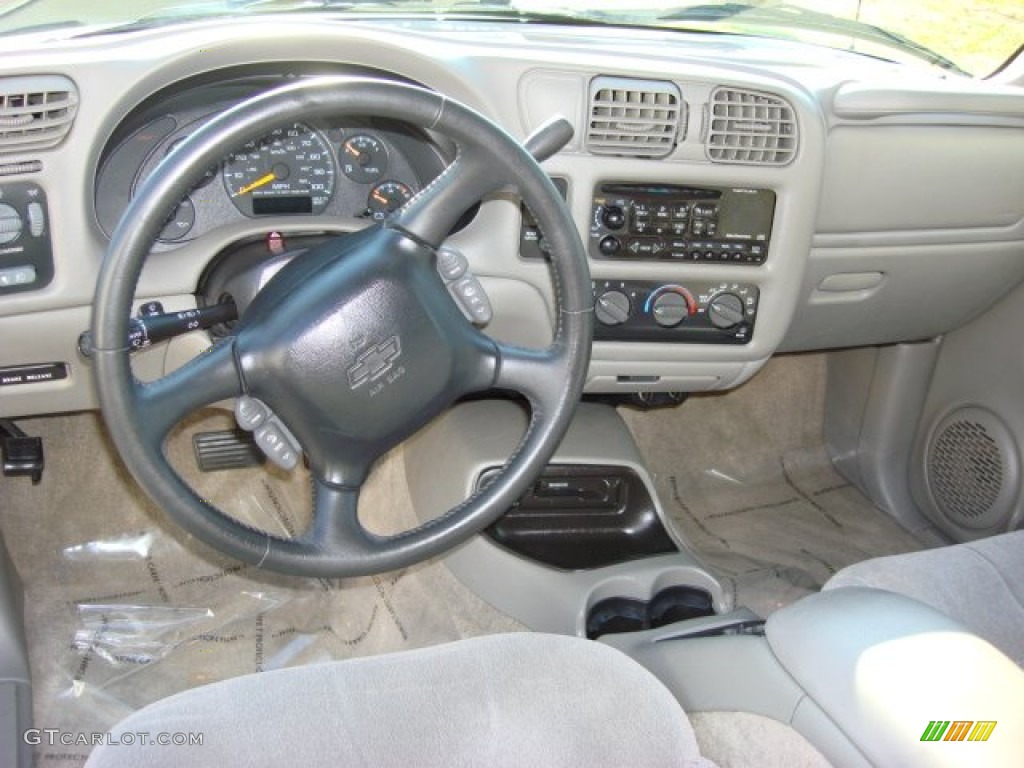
pixel 363 158
pixel 386 197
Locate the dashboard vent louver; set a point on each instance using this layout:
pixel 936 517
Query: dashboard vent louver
pixel 750 128
pixel 636 118
pixel 36 112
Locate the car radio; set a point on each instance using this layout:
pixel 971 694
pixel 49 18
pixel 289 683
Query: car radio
pixel 675 222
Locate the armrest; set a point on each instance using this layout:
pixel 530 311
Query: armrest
pixel 884 666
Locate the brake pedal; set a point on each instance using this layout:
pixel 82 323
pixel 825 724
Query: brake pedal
pixel 226 449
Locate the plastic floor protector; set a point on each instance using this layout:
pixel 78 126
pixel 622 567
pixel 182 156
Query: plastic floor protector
pixel 122 609
pixel 746 480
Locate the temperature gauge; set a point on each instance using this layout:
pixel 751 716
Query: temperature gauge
pixel 363 158
pixel 386 197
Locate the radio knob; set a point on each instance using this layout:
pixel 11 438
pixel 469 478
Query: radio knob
pixel 670 309
pixel 726 311
pixel 612 308
pixel 609 245
pixel 613 217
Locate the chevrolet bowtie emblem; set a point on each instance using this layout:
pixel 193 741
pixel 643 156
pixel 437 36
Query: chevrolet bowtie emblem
pixel 374 362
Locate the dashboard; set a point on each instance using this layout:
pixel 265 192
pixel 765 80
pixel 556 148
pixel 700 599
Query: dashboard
pixel 737 197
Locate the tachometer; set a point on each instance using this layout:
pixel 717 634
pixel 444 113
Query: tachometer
pixel 290 170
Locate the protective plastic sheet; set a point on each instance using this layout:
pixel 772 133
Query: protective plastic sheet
pixel 123 609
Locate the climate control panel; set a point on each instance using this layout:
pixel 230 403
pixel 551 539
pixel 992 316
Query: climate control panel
pixel 26 256
pixel 701 312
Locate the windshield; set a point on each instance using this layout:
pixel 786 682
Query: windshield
pixel 968 36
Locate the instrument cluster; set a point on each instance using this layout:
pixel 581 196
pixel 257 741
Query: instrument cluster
pixel 351 169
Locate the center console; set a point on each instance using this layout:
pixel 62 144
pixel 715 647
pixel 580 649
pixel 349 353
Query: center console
pixel 587 549
pixel 726 226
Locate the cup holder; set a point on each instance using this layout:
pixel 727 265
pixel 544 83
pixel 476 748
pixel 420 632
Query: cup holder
pixel 615 615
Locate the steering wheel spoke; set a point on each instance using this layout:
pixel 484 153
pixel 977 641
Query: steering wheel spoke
pixel 210 377
pixel 335 526
pixel 537 374
pixel 430 215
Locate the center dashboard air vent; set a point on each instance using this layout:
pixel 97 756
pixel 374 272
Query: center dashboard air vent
pixel 635 118
pixel 36 111
pixel 750 128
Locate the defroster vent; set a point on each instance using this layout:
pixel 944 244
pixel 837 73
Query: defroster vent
pixel 750 128
pixel 635 118
pixel 36 112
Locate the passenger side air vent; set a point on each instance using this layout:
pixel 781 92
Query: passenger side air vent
pixel 750 128
pixel 36 112
pixel 636 118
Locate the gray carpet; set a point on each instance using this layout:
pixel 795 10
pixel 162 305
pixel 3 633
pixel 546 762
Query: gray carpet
pixel 123 609
pixel 747 481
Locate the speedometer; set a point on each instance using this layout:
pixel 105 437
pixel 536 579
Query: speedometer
pixel 290 170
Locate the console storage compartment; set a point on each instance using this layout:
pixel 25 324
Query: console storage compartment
pixel 590 529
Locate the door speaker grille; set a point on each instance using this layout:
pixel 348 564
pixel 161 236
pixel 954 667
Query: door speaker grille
pixel 972 469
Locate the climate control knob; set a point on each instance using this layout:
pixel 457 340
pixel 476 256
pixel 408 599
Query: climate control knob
pixel 10 224
pixel 612 308
pixel 670 309
pixel 726 311
pixel 613 217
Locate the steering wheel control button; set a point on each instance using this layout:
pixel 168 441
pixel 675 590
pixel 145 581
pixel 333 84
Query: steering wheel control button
pixel 451 264
pixel 250 413
pixel 278 445
pixel 272 436
pixel 470 296
pixel 463 285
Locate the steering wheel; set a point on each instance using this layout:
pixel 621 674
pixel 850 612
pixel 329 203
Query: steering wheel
pixel 299 346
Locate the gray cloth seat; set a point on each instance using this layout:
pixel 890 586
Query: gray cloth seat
pixel 980 584
pixel 503 700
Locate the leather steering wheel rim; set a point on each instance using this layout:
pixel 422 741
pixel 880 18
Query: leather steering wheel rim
pixel 278 353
